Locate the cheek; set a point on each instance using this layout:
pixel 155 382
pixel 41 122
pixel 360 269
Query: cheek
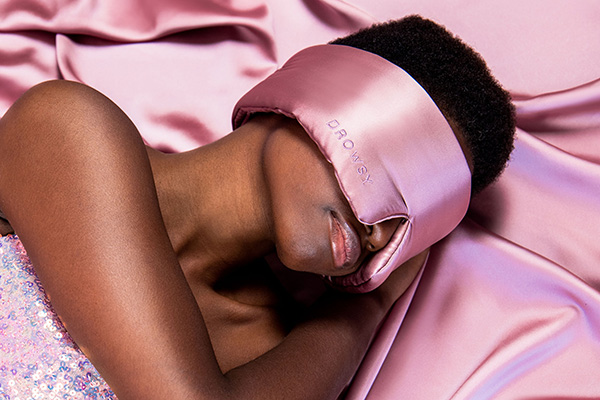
pixel 302 189
pixel 300 229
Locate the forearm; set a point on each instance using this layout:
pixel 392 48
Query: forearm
pixel 319 356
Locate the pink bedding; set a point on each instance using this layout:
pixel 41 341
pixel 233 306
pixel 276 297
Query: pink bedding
pixel 508 305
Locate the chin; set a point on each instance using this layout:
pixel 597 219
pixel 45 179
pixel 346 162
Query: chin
pixel 302 262
pixel 304 249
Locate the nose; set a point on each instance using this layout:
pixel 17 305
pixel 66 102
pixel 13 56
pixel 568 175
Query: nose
pixel 379 235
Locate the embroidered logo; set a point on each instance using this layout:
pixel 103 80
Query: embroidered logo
pixel 348 145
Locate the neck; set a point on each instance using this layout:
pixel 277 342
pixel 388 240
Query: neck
pixel 214 202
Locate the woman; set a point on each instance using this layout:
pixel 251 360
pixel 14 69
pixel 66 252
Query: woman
pixel 151 259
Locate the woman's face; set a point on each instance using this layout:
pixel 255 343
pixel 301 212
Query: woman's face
pixel 313 226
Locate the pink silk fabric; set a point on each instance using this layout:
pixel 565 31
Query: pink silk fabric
pixel 393 152
pixel 508 305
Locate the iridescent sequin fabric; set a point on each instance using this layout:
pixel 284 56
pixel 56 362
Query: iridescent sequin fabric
pixel 38 358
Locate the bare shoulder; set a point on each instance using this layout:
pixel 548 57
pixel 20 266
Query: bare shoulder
pixel 72 161
pixel 51 96
pixel 63 133
pixel 55 110
pixel 70 158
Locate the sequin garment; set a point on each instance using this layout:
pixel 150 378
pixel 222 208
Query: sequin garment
pixel 38 358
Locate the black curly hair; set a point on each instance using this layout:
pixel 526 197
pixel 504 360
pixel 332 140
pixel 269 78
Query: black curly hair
pixel 459 82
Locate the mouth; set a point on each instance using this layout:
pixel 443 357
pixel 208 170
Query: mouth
pixel 345 246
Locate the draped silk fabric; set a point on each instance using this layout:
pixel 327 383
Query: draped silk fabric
pixel 508 305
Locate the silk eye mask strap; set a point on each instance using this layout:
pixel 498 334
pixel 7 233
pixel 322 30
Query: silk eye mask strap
pixel 393 152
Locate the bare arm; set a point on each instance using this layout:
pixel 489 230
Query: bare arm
pixel 70 158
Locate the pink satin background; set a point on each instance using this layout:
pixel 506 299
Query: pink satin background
pixel 508 305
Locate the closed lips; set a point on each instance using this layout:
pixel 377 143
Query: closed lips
pixel 345 246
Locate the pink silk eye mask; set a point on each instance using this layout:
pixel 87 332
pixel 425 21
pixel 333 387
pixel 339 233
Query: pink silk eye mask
pixel 393 152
